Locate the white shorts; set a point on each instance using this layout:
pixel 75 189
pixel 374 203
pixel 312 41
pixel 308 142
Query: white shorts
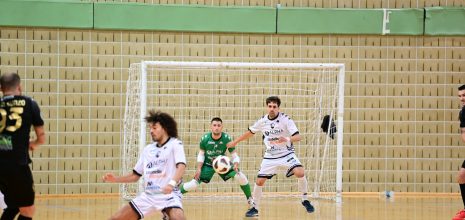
pixel 285 164
pixel 2 201
pixel 145 204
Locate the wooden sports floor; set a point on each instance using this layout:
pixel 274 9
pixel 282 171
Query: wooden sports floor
pixel 288 208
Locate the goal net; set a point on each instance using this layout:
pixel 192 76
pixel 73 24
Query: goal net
pixel 195 92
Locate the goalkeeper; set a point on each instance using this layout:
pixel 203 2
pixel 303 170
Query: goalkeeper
pixel 212 145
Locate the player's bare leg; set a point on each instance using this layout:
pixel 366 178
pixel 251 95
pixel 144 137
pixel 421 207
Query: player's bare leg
pixel 461 180
pixel 175 213
pixel 125 213
pixel 26 212
pixel 257 195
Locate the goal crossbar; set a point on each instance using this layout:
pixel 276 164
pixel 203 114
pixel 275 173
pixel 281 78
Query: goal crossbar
pixel 242 65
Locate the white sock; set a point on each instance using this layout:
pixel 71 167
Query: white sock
pixel 251 202
pixel 257 195
pixel 191 185
pixel 302 183
pixel 241 179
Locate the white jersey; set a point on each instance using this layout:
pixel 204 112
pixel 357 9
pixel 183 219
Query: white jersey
pixel 272 130
pixel 157 164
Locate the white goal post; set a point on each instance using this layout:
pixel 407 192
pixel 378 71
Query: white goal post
pixel 195 92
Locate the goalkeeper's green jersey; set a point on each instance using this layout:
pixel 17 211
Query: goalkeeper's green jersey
pixel 214 148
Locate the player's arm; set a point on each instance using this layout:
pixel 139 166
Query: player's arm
pixel 200 160
pixel 128 178
pixel 200 157
pixel 176 179
pixel 180 169
pixel 462 134
pixel 134 176
pixel 462 123
pixel 180 159
pixel 243 137
pixel 292 128
pixel 38 125
pixel 295 138
pixel 40 138
pixel 235 159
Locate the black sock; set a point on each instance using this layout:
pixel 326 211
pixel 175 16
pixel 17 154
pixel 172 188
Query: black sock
pixel 9 213
pixel 462 190
pixel 21 217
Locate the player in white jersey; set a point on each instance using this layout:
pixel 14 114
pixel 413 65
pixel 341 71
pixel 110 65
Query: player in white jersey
pixel 279 133
pixel 162 164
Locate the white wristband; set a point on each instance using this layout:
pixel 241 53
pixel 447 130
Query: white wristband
pixel 235 157
pixel 287 138
pixel 172 183
pixel 201 157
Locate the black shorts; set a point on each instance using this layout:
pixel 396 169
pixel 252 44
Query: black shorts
pixel 463 164
pixel 17 185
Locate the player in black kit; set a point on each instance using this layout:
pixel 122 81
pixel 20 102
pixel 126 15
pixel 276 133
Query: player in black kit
pixel 17 114
pixel 461 175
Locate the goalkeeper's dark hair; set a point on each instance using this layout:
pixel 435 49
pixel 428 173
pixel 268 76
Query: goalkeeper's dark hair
pixel 216 119
pixel 166 122
pixel 462 87
pixel 274 99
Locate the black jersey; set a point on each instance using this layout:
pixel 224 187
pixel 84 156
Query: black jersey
pixel 462 117
pixel 17 115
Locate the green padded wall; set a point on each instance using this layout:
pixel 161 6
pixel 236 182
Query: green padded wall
pixel 349 21
pixel 46 14
pixel 184 18
pixel 444 21
pixel 406 21
pixel 200 18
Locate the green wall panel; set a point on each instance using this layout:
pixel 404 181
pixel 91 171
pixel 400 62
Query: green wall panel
pixel 406 21
pixel 349 21
pixel 327 21
pixel 444 21
pixel 184 18
pixel 200 18
pixel 46 14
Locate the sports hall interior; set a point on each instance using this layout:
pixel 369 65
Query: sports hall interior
pixel 401 128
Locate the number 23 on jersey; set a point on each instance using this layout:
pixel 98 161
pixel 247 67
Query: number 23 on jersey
pixel 14 115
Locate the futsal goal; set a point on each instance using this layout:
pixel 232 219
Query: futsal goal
pixel 195 92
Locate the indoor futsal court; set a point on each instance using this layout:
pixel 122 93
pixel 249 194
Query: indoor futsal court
pixel 370 84
pixel 353 207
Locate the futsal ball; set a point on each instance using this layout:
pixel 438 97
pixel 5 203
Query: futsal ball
pixel 222 164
